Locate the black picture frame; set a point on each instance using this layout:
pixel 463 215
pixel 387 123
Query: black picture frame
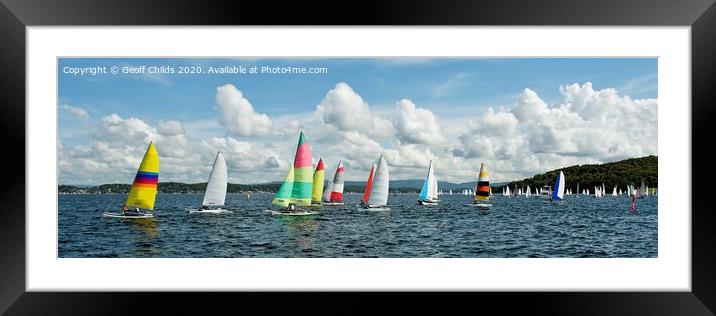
pixel 15 15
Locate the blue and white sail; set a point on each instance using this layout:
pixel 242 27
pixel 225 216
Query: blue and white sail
pixel 558 191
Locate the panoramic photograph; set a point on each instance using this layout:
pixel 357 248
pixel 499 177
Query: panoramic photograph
pixel 380 157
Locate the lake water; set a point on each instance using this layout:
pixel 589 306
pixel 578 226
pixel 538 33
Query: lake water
pixel 581 226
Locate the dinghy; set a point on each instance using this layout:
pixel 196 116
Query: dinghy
pixel 428 194
pixel 215 193
pixel 377 199
pixel 482 189
pixel 335 194
pixel 294 195
pixel 144 188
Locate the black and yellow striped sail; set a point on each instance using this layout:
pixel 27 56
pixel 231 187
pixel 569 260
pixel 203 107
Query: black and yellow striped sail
pixel 482 191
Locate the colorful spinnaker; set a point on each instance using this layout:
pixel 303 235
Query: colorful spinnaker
pixel 144 187
pixel 297 188
pixel 318 177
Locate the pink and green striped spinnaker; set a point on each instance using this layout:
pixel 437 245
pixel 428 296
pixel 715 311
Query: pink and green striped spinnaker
pixel 300 181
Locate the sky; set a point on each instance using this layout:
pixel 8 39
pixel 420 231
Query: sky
pixel 520 116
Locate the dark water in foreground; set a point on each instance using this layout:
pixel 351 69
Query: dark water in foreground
pixel 582 226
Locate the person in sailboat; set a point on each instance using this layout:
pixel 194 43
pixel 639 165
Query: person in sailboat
pixel 127 211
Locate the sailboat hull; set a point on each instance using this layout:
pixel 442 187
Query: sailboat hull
pixel 296 213
pixel 333 204
pixel 427 203
pixel 484 206
pixel 372 208
pixel 121 215
pixel 210 211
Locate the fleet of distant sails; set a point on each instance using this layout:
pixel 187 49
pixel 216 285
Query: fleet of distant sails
pixel 302 191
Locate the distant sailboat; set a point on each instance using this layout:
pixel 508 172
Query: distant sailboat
pixel 215 194
pixel 482 190
pixel 378 195
pixel 642 189
pixel 527 192
pixel 318 178
pixel 334 196
pixel 558 191
pixel 428 194
pixel 297 188
pixel 144 188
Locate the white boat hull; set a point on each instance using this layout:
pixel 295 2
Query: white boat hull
pixel 374 208
pixel 133 216
pixel 333 204
pixel 296 213
pixel 212 211
pixel 428 203
pixel 482 206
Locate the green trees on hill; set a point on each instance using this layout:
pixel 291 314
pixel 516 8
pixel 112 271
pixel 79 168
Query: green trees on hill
pixel 621 173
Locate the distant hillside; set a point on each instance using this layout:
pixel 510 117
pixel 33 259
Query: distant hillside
pixel 621 173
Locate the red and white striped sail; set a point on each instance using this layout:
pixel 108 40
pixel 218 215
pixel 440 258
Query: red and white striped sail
pixel 337 185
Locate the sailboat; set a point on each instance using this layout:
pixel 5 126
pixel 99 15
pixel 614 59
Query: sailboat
pixel 482 189
pixel 144 188
pixel 640 193
pixel 317 191
pixel 215 193
pixel 335 188
pixel 297 188
pixel 368 186
pixel 377 197
pixel 558 191
pixel 429 193
pixel 527 192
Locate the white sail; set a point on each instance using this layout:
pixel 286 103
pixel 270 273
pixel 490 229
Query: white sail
pixel 327 191
pixel 379 190
pixel 215 193
pixel 527 193
pixel 434 187
pixel 429 189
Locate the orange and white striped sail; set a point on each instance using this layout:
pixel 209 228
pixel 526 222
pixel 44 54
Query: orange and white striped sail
pixel 482 191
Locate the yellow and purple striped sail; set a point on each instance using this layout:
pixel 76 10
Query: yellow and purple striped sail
pixel 144 187
pixel 298 185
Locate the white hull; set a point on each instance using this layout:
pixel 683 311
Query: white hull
pixel 296 213
pixel 374 208
pixel 427 203
pixel 333 204
pixel 121 215
pixel 483 206
pixel 213 211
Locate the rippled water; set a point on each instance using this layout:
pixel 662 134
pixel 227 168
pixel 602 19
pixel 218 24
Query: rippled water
pixel 582 226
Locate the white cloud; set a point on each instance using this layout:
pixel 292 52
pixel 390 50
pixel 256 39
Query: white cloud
pixel 417 125
pixel 238 115
pixel 76 111
pixel 345 110
pixel 588 126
